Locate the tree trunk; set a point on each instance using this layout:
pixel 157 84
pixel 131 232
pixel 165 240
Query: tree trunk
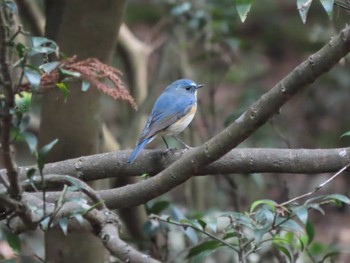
pixel 86 28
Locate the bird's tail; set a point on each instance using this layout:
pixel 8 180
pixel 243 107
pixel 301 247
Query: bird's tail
pixel 137 150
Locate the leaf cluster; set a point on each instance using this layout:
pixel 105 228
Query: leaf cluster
pixel 284 230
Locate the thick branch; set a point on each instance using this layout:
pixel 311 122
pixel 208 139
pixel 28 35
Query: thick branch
pixel 245 160
pixel 257 114
pixel 102 222
pixel 237 161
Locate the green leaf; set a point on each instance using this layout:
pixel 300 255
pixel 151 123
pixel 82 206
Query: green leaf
pixel 259 234
pixel 267 202
pixel 74 182
pixel 176 213
pixel 43 45
pixel 20 49
pixel 13 240
pixel 79 218
pixel 144 176
pixel 23 101
pixel 11 5
pixel 45 223
pixel 302 242
pixel 316 207
pixel 264 216
pixel 328 6
pixel 330 255
pixel 61 200
pixel 92 207
pixel 345 134
pixel 212 224
pixel 286 251
pixel 40 41
pixel 30 173
pixel 301 212
pixel 63 223
pixel 242 219
pixel 85 85
pixel 313 199
pixel 303 7
pixel 287 239
pixel 230 235
pixel 310 231
pixel 151 228
pixel 64 88
pixel 337 197
pixel 73 188
pixel 47 148
pixel 165 217
pixel 290 225
pixel 31 140
pixel 68 73
pixel 157 207
pixel 206 246
pixel 181 9
pixel 42 154
pixel 243 8
pixel 50 66
pixel 192 235
pixel 33 76
pixel 202 224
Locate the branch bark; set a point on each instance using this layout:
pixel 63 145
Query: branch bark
pixel 249 160
pixel 8 104
pixel 262 110
pixel 241 160
pixel 102 222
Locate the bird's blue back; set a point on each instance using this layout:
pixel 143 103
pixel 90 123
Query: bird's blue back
pixel 172 105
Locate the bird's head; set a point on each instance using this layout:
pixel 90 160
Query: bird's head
pixel 184 86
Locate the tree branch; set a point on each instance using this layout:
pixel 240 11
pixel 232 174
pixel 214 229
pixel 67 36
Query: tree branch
pixel 241 160
pixel 57 179
pixel 6 118
pixel 248 160
pixel 257 114
pixel 101 221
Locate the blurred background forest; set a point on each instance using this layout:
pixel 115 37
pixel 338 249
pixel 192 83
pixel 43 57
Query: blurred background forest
pixel 237 62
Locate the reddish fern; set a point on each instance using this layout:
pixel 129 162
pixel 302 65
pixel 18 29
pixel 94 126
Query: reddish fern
pixel 95 72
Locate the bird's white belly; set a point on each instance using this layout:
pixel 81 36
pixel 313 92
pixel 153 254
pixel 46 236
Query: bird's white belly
pixel 180 125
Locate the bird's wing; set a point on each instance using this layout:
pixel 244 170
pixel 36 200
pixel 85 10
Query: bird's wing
pixel 166 111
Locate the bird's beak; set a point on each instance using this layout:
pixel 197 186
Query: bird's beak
pixel 200 86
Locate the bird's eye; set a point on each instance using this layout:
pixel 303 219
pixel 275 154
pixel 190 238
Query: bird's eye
pixel 188 87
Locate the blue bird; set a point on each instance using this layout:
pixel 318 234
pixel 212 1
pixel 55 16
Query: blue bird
pixel 171 114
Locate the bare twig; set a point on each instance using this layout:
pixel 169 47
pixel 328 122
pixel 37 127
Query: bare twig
pixel 102 223
pixel 317 188
pixel 57 179
pixel 186 225
pixel 4 180
pixel 6 118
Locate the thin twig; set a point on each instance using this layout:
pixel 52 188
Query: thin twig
pixel 185 225
pixel 317 188
pixel 69 180
pixel 4 181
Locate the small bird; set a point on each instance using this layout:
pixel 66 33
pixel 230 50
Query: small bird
pixel 171 114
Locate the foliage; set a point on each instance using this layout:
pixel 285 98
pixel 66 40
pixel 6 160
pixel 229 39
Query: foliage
pixel 59 73
pixel 285 230
pixel 37 75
